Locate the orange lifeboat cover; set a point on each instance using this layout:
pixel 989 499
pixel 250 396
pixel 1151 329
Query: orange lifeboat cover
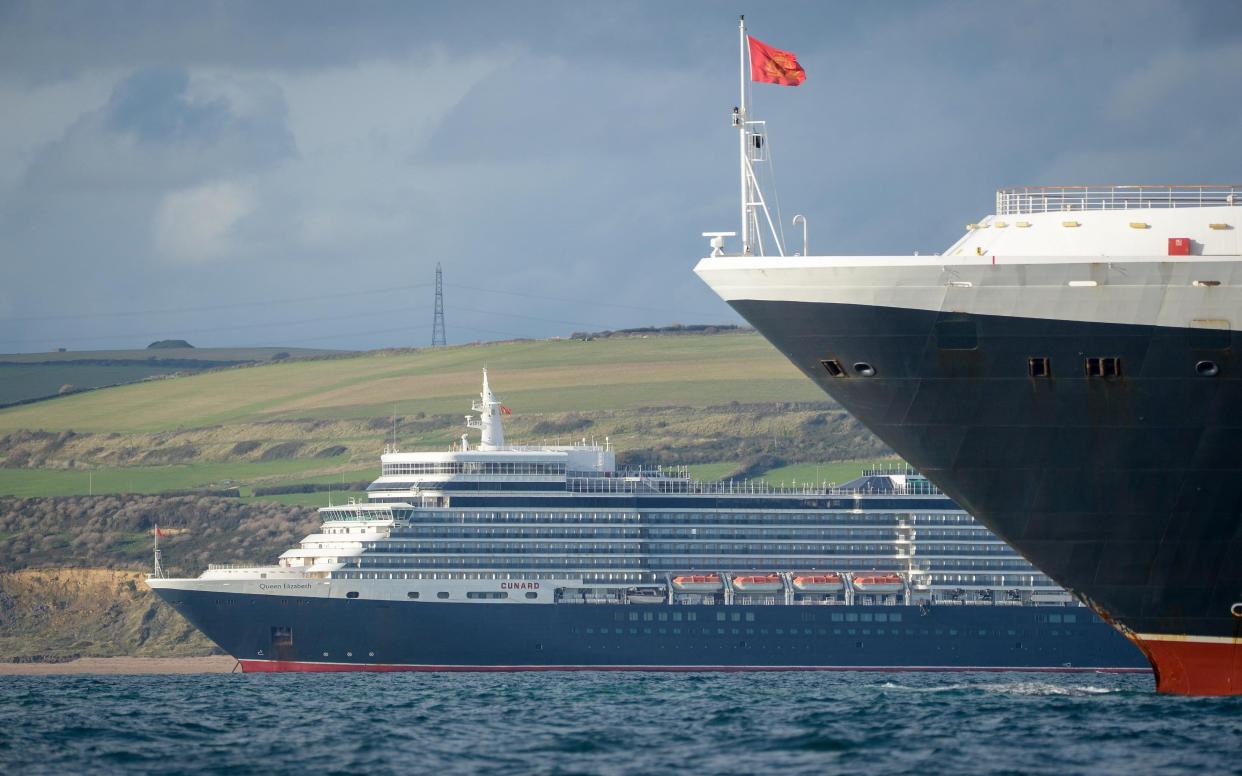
pixel 818 579
pixel 701 578
pixel 878 579
pixel 756 578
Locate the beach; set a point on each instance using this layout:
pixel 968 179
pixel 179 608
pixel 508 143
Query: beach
pixel 216 664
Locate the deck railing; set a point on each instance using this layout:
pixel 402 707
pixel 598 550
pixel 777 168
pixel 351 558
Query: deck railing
pixel 735 487
pixel 1021 200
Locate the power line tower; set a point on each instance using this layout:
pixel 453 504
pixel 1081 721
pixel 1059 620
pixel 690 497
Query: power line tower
pixel 437 324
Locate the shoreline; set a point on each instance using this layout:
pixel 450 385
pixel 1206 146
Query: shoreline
pixel 214 664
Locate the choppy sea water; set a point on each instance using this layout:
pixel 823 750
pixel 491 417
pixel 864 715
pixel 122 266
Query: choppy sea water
pixel 612 723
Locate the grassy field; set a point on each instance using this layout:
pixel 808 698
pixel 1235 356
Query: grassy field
pixel 537 376
pixel 710 401
pixel 156 479
pixel 179 354
pixel 25 376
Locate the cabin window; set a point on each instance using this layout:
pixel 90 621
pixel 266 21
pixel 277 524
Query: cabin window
pixel 833 367
pixel 442 595
pixel 352 594
pixel 1105 367
pixel 412 594
pixel 532 594
pixel 956 334
pixel 1039 366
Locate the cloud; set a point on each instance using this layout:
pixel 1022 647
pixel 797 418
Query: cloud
pixel 167 154
pixel 163 128
pixel 195 225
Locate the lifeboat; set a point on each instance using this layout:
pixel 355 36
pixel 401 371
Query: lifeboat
pixel 697 583
pixel 757 583
pixel 819 583
pixel 878 583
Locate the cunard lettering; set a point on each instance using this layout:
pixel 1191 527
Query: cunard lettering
pixel 519 585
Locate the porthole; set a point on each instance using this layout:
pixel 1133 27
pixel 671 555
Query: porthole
pixel 352 594
pixel 1207 369
pixel 864 369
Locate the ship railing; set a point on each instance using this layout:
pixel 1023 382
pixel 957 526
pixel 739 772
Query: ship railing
pixel 1021 200
pixel 734 487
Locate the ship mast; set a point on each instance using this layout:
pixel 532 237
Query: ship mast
pixel 739 121
pixel 752 142
pixel 158 571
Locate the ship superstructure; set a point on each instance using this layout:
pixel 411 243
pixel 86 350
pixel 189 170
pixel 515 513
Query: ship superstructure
pixel 1066 371
pixel 500 556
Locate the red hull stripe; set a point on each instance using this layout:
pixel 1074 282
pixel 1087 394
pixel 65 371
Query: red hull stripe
pixel 258 666
pixel 1194 667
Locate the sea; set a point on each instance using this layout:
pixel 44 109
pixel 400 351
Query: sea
pixel 612 723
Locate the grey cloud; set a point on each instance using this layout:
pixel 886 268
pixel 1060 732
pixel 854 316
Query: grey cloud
pixel 559 149
pixel 160 129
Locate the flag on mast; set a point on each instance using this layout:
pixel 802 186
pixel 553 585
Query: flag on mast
pixel 770 65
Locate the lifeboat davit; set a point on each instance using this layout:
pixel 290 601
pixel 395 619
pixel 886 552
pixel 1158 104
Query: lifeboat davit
pixel 757 583
pixel 697 583
pixel 819 583
pixel 878 583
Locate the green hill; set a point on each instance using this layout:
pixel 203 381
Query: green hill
pixel 726 400
pixel 30 376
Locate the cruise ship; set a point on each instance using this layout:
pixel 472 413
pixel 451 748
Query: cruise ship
pixel 1065 371
pixel 493 556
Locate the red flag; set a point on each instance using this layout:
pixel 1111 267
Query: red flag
pixel 505 410
pixel 158 533
pixel 772 66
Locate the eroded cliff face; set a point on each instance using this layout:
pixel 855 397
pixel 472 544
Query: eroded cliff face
pixel 58 614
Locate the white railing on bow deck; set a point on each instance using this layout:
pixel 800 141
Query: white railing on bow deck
pixel 1060 199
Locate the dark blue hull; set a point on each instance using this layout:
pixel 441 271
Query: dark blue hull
pixel 1123 487
pixel 288 633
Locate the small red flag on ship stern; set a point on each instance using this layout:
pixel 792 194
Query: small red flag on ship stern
pixel 772 66
pixel 505 410
pixel 158 533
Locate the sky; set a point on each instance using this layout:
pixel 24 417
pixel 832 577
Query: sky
pixel 290 173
